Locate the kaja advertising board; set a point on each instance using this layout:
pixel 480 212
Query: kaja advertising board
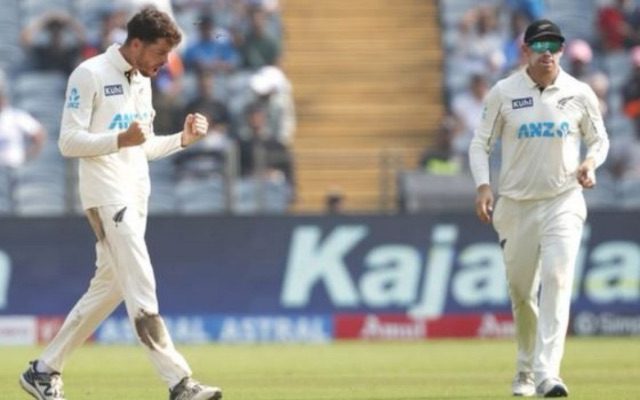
pixel 382 273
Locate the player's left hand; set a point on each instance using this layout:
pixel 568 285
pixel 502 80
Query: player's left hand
pixel 196 127
pixel 586 174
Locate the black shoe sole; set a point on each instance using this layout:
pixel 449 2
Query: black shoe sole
pixel 557 391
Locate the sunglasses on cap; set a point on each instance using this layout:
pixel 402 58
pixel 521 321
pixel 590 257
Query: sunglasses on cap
pixel 553 46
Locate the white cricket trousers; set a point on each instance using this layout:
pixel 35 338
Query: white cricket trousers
pixel 123 272
pixel 540 241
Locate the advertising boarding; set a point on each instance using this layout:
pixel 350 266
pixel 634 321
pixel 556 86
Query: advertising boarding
pixel 313 278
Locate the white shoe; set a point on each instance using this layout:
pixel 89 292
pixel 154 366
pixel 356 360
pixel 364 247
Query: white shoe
pixel 523 385
pixel 552 387
pixel 41 385
pixel 190 389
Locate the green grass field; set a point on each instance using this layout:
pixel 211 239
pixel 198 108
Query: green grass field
pixel 603 369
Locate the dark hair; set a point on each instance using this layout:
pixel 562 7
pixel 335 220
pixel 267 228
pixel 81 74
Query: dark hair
pixel 151 24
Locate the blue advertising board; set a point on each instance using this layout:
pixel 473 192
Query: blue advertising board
pixel 418 265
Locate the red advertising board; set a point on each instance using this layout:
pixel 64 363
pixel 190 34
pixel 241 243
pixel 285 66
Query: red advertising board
pixel 403 327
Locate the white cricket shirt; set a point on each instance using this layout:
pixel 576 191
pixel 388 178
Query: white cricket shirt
pixel 101 103
pixel 15 124
pixel 541 134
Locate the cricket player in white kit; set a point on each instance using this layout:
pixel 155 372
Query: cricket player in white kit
pixel 541 114
pixel 107 124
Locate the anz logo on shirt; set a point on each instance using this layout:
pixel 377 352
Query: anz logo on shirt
pixel 73 101
pixel 548 129
pixel 122 121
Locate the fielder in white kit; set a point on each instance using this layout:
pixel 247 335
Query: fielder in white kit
pixel 107 125
pixel 541 114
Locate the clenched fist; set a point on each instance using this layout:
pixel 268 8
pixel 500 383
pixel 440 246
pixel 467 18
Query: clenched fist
pixel 196 127
pixel 133 136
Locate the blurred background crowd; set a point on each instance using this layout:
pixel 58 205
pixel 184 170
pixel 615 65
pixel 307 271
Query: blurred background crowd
pixel 227 68
pixel 230 68
pixel 482 45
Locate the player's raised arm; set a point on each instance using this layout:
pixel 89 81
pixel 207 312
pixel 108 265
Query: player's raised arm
pixel 195 128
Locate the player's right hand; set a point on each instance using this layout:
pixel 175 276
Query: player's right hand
pixel 586 173
pixel 133 136
pixel 484 203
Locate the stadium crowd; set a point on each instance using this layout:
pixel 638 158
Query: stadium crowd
pixel 482 45
pixel 227 68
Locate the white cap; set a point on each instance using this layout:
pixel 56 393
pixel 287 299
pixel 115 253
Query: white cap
pixel 268 80
pixel 580 50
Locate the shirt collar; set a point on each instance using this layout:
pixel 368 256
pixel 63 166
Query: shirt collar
pixel 115 57
pixel 533 85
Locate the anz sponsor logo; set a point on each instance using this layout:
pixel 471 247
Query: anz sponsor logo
pixel 543 129
pixel 522 103
pixel 122 121
pixel 73 101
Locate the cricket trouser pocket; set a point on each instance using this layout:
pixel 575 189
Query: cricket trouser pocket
pixel 120 232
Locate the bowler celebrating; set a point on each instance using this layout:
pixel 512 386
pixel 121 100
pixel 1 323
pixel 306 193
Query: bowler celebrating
pixel 108 125
pixel 541 114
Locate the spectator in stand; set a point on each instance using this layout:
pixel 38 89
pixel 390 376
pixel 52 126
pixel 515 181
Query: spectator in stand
pixel 54 42
pixel 273 90
pixel 168 99
pixel 631 91
pixel 258 47
pixel 334 201
pixel 467 108
pixel 531 9
pixel 513 54
pixel 441 159
pixel 207 157
pixel 206 104
pixel 273 16
pixel 480 43
pixel 599 83
pixel 625 151
pixel 113 21
pixel 213 50
pixel 21 139
pixel 618 25
pixel 230 14
pixel 625 159
pixel 263 155
pixel 579 56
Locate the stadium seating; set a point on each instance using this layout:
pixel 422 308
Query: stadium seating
pixel 367 104
pixel 42 181
pixel 199 196
pixel 5 196
pixel 251 196
pixel 629 190
pixel 423 192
